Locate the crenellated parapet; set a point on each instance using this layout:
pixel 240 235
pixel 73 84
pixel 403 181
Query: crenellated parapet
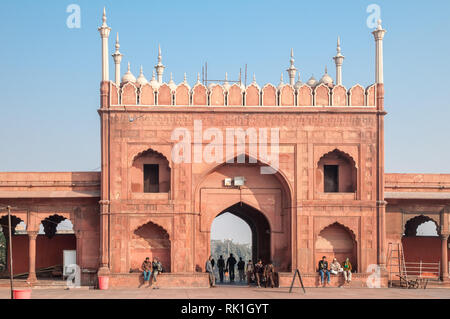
pixel 325 92
pixel 216 95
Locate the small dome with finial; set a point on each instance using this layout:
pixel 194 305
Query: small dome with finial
pixel 299 82
pixel 141 80
pixel 128 77
pixel 326 78
pixel 281 82
pixel 185 82
pixel 172 84
pixel 153 82
pixel 226 85
pixel 254 82
pixel 312 82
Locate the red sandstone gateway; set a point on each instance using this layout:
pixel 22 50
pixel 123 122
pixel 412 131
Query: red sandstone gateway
pixel 329 195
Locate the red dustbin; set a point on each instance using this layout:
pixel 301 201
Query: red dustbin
pixel 22 293
pixel 103 282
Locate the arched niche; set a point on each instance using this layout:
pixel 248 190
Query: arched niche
pixel 182 95
pixel 339 96
pixel 150 240
pixel 336 241
pixel 164 95
pixel 287 96
pixel 235 96
pixel 357 96
pixel 336 173
pixel 217 95
pixel 252 95
pixel 304 96
pixel 199 95
pixel 129 94
pixel 322 95
pixel 269 95
pixel 147 95
pixel 150 173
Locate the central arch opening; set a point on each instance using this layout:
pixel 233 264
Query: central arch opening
pixel 243 228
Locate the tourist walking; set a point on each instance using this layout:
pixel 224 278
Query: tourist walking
pixel 323 269
pixel 221 266
pixel 268 274
pixel 231 262
pixel 259 272
pixel 210 270
pixel 250 272
pixel 241 269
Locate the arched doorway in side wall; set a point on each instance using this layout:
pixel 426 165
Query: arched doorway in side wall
pixel 256 228
pixel 56 235
pixel 421 241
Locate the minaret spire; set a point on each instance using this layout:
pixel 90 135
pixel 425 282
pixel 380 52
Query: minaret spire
pixel 104 34
pixel 159 67
pixel 379 35
pixel 338 60
pixel 292 70
pixel 117 56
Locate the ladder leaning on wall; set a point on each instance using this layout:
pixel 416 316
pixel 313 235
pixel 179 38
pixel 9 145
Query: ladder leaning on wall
pixel 396 264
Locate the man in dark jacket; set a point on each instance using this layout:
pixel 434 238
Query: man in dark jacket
pixel 323 269
pixel 269 273
pixel 147 269
pixel 241 269
pixel 231 262
pixel 221 266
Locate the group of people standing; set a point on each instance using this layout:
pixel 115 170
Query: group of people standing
pixel 254 272
pixel 150 270
pixel 335 269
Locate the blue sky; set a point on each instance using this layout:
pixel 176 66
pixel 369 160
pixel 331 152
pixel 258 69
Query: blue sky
pixel 51 74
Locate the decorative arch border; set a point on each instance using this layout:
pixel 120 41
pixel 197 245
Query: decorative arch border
pixel 141 150
pixel 262 94
pixel 426 219
pixel 258 90
pixel 193 94
pixel 350 95
pixel 349 156
pixel 135 92
pixel 213 167
pixel 341 224
pixel 210 90
pixel 158 226
pixel 311 95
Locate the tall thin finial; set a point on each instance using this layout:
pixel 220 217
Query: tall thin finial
pixel 198 77
pixel 379 27
pixel 326 69
pixel 185 77
pixel 338 49
pixel 142 69
pixel 104 17
pixel 292 69
pixel 128 66
pixel 254 78
pixel 159 67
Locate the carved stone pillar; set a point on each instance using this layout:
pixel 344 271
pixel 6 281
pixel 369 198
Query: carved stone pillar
pixel 32 235
pixel 444 257
pixel 104 238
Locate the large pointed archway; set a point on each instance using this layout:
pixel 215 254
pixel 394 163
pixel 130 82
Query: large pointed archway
pixel 259 226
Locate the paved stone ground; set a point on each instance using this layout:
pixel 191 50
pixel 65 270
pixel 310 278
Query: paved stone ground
pixel 227 292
